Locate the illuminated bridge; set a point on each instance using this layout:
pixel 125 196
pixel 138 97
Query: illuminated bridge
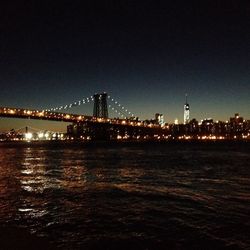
pixel 97 125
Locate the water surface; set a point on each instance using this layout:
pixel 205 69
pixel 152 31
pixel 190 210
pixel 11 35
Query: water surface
pixel 128 196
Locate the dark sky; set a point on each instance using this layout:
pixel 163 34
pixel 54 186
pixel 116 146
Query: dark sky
pixel 147 54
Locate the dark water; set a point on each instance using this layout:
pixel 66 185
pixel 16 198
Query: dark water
pixel 129 196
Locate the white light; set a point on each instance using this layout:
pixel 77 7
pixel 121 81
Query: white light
pixel 28 136
pixel 40 135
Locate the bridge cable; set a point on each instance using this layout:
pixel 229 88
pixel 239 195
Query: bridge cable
pixel 120 107
pixel 71 105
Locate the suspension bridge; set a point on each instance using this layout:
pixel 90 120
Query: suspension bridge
pixel 100 112
pixel 98 125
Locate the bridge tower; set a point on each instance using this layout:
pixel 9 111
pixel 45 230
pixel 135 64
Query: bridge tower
pixel 100 105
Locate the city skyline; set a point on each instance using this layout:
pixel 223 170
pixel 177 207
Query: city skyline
pixel 146 55
pixel 101 127
pixel 59 125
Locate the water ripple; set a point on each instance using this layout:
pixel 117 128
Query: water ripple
pixel 148 196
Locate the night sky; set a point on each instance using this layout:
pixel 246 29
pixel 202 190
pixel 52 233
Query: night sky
pixel 146 54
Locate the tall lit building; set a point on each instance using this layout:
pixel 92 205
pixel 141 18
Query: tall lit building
pixel 159 119
pixel 186 112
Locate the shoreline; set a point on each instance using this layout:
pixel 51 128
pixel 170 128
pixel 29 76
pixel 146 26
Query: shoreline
pixel 122 142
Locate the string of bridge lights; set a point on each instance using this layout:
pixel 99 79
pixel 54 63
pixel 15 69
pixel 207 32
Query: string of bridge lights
pixel 116 111
pixel 115 106
pixel 122 111
pixel 71 105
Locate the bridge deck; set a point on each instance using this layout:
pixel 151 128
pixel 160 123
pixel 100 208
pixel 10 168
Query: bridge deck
pixel 66 117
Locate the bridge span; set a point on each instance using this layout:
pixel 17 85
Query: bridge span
pixel 98 126
pixel 67 117
pixel 41 115
pixel 91 126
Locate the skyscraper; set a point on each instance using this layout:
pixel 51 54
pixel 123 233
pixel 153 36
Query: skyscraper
pixel 159 119
pixel 186 112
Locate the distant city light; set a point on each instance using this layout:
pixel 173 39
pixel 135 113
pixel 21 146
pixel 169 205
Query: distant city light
pixel 28 136
pixel 40 135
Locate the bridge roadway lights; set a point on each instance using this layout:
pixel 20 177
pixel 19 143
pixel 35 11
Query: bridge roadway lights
pixel 88 125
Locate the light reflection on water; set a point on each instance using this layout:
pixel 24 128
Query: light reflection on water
pixel 147 194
